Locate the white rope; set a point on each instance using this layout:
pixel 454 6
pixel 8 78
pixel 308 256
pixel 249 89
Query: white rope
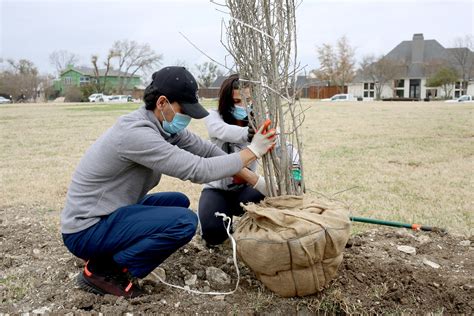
pixel 234 257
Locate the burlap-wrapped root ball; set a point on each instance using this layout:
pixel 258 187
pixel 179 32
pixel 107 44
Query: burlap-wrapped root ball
pixel 293 244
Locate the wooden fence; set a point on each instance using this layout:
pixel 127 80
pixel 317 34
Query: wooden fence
pixel 319 92
pixel 311 92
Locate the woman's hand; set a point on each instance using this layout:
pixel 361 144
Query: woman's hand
pixel 263 141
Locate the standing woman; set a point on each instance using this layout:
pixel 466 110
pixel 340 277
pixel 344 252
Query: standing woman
pixel 228 128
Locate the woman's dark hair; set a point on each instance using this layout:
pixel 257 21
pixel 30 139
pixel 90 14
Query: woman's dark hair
pixel 226 100
pixel 151 95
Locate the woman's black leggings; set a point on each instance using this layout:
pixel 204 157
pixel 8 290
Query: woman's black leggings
pixel 227 202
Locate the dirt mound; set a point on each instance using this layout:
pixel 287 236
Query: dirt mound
pixel 37 274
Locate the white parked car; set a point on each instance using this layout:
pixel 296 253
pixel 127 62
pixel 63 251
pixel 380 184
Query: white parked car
pixel 98 97
pixel 120 98
pixel 4 100
pixel 340 98
pixel 464 98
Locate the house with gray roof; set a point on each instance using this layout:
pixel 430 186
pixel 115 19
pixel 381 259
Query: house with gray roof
pixel 415 58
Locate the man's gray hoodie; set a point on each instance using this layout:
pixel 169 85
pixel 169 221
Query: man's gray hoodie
pixel 128 160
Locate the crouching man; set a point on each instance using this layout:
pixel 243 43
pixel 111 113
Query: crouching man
pixel 110 221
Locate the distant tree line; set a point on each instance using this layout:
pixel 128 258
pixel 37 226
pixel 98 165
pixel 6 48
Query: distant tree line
pixel 21 81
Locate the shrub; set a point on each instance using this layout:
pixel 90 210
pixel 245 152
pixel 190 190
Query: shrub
pixel 73 94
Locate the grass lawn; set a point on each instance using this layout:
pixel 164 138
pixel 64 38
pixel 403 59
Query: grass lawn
pixel 409 162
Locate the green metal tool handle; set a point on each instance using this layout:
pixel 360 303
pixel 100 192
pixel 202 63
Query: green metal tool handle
pixel 396 224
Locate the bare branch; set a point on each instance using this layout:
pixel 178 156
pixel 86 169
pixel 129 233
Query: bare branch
pixel 202 52
pixel 261 39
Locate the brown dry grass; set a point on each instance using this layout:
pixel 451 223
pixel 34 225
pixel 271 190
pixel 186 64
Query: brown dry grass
pixel 410 162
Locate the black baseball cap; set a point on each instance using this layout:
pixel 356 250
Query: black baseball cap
pixel 179 84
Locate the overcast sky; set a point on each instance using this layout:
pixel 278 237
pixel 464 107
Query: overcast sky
pixel 35 28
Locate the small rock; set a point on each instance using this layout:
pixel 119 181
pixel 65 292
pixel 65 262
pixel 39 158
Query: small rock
pixel 163 301
pixel 432 264
pixel 468 286
pixel 216 276
pixel 186 287
pixel 359 277
pixel 159 272
pixel 121 301
pixel 403 233
pixel 7 262
pixel 36 253
pixel 190 280
pixel 465 243
pixel 423 239
pixel 436 284
pixel 201 274
pixel 177 304
pixel 407 249
pixel 185 250
pixel 41 310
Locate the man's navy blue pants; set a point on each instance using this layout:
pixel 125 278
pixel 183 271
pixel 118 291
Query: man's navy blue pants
pixel 138 237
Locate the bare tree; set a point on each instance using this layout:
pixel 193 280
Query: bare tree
pixel 380 71
pixel 61 59
pixel 133 59
pixel 344 63
pixel 327 65
pixel 463 59
pixel 101 85
pixel 336 66
pixel 261 38
pixel 20 80
pixel 207 73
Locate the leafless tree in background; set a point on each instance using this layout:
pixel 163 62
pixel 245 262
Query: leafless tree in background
pixel 337 66
pixel 101 86
pixel 463 57
pixel 134 59
pixel 345 63
pixel 327 64
pixel 207 72
pixel 61 59
pixel 20 80
pixel 261 38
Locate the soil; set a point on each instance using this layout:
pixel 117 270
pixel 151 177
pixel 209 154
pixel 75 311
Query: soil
pixel 37 274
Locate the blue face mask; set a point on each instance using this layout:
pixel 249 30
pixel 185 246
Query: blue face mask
pixel 179 122
pixel 239 112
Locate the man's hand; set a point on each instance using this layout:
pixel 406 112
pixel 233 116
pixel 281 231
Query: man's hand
pixel 263 141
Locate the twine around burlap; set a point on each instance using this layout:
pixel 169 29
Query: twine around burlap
pixel 293 244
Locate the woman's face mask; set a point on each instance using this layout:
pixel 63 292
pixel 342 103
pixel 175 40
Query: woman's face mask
pixel 179 122
pixel 239 112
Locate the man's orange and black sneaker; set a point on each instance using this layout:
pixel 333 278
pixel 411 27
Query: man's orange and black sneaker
pixel 117 283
